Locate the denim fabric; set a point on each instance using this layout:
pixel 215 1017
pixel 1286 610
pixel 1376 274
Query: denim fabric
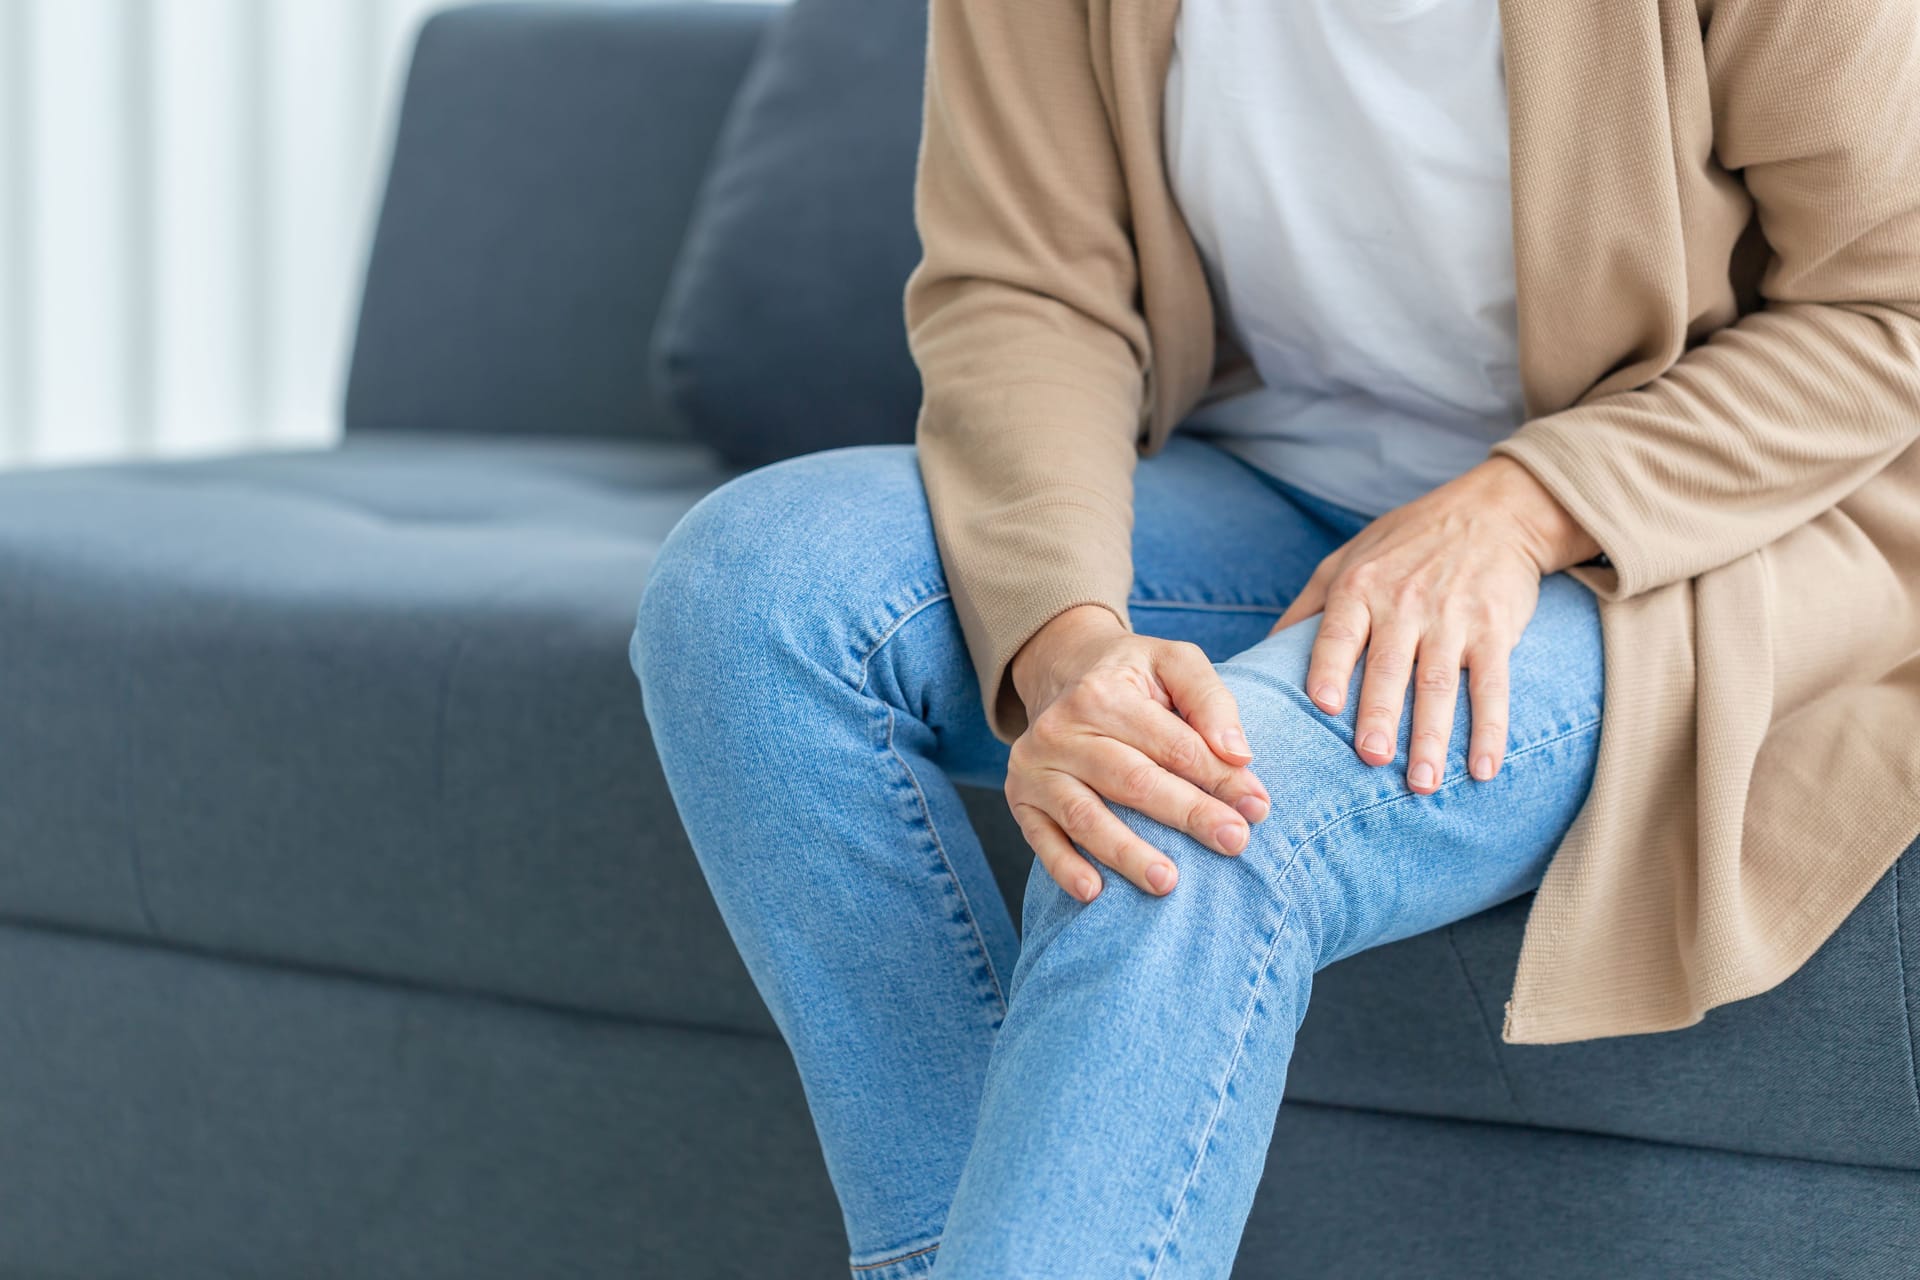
pixel 1095 1098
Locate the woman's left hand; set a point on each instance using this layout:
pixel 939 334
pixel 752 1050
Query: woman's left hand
pixel 1450 580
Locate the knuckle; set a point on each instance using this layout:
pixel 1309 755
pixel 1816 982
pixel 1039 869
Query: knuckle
pixel 1437 677
pixel 1187 650
pixel 1430 736
pixel 1028 817
pixel 1184 754
pixel 1338 630
pixel 1409 594
pixel 1080 813
pixel 1137 783
pixel 1491 727
pixel 1488 681
pixel 1390 659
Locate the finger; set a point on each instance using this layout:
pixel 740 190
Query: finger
pixel 1343 632
pixel 1383 687
pixel 1177 746
pixel 1487 696
pixel 1436 692
pixel 1089 823
pixel 1202 699
pixel 1056 853
pixel 1127 776
pixel 1312 598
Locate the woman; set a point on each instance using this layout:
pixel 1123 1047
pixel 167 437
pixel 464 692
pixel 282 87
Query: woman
pixel 1544 514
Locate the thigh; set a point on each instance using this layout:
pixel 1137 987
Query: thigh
pixel 1349 852
pixel 1219 551
pixel 1394 862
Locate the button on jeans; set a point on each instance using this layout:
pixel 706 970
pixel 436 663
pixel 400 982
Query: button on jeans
pixel 1094 1097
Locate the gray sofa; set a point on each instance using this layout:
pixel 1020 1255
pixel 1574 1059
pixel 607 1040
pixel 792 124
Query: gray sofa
pixel 346 931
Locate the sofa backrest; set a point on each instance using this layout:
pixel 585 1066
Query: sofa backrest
pixel 545 165
pixel 784 330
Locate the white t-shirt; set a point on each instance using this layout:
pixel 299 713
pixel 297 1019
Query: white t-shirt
pixel 1343 167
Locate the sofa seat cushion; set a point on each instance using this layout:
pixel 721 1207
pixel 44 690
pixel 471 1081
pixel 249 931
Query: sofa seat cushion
pixel 368 710
pixel 1819 1068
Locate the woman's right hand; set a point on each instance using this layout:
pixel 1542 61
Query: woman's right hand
pixel 1144 722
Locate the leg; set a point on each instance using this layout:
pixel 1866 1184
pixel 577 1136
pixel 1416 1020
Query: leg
pixel 1134 1085
pixel 809 692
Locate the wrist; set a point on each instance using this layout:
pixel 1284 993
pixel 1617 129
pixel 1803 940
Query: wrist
pixel 1034 668
pixel 1552 536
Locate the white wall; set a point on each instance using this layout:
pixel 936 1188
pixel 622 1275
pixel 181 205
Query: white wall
pixel 186 187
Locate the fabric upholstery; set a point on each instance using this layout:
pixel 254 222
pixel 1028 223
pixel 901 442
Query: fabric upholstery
pixel 192 1117
pixel 167 1116
pixel 543 173
pixel 782 332
pixel 367 710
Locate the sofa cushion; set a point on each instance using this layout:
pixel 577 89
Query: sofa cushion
pixel 782 329
pixel 1819 1068
pixel 366 710
pixel 544 169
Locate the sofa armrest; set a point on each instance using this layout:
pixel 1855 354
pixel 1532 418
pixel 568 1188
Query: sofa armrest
pixel 544 169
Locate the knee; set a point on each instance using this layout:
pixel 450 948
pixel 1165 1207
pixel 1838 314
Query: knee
pixel 1282 875
pixel 761 558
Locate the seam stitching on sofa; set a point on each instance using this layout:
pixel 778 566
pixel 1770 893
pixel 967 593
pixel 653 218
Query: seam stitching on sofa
pixel 1601 1135
pixel 1486 1023
pixel 136 860
pixel 326 971
pixel 1906 995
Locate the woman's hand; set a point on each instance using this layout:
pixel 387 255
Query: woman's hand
pixel 1449 580
pixel 1145 722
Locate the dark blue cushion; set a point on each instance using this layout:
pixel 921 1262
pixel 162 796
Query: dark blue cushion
pixel 547 160
pixel 782 331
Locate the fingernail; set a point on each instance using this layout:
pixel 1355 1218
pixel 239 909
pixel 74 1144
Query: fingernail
pixel 1160 876
pixel 1235 741
pixel 1252 808
pixel 1230 836
pixel 1089 888
pixel 1375 743
pixel 1422 775
pixel 1327 696
pixel 1483 768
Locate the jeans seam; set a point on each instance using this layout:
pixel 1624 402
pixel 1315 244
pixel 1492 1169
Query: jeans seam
pixel 1159 1253
pixel 1457 780
pixel 920 795
pixel 896 1260
pixel 1906 994
pixel 946 863
pixel 1216 606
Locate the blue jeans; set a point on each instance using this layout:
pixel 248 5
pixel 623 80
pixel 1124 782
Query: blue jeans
pixel 1095 1097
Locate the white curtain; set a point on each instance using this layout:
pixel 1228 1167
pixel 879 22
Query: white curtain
pixel 186 188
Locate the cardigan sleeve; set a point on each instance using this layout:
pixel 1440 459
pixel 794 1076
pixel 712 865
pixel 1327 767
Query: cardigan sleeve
pixel 1779 416
pixel 1023 318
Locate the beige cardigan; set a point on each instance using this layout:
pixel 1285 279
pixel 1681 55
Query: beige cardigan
pixel 1716 211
